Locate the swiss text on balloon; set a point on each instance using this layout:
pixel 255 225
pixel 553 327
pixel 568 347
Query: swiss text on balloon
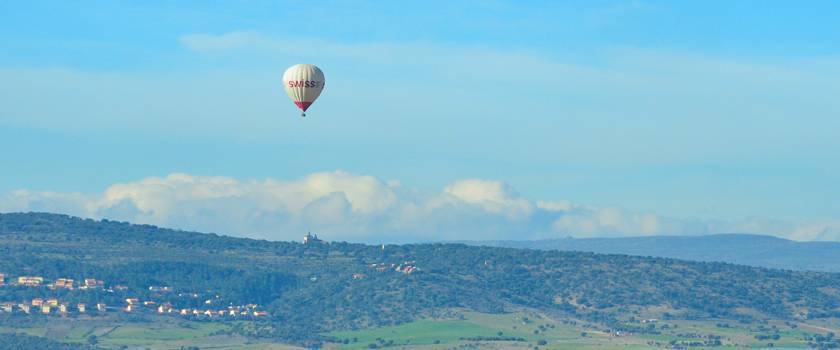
pixel 305 83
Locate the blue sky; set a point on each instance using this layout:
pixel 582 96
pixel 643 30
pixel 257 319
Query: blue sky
pixel 719 115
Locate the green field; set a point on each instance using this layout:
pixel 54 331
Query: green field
pixel 568 334
pixel 532 330
pixel 421 332
pixel 160 333
pixel 442 334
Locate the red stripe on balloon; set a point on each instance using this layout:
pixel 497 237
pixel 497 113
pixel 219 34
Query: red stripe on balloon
pixel 303 105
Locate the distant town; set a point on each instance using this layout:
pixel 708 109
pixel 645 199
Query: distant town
pixel 50 306
pixel 55 306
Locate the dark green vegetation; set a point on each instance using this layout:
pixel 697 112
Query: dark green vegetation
pixel 113 331
pixel 17 341
pixel 754 250
pixel 309 290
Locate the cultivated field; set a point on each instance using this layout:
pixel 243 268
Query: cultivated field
pixel 537 330
pixel 458 330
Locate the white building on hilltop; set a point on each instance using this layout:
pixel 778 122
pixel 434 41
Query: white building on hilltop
pixel 310 238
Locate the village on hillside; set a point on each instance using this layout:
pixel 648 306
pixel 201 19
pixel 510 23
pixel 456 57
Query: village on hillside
pixel 406 267
pixel 163 304
pixel 49 306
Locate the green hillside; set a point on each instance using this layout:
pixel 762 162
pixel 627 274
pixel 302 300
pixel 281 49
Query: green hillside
pixel 311 291
pixel 745 249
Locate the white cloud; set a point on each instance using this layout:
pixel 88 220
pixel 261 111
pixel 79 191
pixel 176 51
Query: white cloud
pixel 69 203
pixel 493 196
pixel 822 231
pixel 611 222
pixel 345 206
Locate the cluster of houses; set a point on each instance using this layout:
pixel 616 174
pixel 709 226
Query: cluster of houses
pixel 61 283
pixel 249 310
pixel 407 267
pixel 54 306
pixel 47 306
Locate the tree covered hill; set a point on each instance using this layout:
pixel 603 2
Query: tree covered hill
pixel 746 249
pixel 309 289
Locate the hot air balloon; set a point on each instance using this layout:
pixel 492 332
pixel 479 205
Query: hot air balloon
pixel 303 83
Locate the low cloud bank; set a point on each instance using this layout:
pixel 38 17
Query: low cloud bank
pixel 345 206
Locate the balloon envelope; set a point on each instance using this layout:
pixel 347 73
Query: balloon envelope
pixel 303 83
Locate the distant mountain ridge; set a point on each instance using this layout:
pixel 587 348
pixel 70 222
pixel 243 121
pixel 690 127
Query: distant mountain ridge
pixel 736 248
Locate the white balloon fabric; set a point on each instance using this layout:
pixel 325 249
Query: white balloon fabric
pixel 303 83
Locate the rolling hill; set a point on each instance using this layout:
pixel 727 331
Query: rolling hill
pixel 310 289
